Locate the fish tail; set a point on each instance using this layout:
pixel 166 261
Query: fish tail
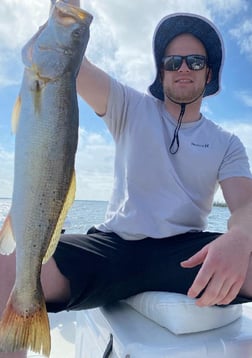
pixel 23 330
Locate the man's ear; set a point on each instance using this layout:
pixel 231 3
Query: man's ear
pixel 209 75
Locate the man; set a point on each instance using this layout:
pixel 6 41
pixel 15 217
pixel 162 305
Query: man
pixel 169 161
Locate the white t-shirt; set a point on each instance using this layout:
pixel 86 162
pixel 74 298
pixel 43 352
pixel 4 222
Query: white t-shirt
pixel 158 194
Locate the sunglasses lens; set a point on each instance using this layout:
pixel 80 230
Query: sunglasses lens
pixel 196 62
pixel 172 63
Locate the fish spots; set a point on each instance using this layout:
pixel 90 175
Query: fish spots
pixel 42 202
pixel 42 209
pixel 54 194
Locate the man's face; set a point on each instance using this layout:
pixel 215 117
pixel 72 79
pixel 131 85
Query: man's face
pixel 184 85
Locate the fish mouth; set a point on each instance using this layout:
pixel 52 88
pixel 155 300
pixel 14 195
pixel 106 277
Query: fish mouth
pixel 69 14
pixel 59 49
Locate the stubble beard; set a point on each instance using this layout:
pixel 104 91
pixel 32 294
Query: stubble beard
pixel 184 96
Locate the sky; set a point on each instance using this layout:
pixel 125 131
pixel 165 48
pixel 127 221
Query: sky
pixel 121 44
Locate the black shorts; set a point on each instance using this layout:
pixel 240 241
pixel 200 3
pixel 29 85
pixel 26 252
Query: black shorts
pixel 103 268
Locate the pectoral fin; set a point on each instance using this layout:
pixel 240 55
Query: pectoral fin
pixel 7 241
pixel 15 115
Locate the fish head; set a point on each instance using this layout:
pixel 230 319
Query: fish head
pixel 59 45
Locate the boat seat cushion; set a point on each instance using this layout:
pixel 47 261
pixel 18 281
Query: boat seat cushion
pixel 179 314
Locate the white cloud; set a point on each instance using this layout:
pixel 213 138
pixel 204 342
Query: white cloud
pixel 206 109
pixel 244 132
pixel 243 34
pixel 245 97
pixel 19 21
pixel 94 166
pixel 226 9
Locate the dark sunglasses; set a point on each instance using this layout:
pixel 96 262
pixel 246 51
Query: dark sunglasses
pixel 174 62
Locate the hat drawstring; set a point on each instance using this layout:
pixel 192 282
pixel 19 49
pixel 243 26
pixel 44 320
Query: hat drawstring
pixel 180 118
pixel 176 131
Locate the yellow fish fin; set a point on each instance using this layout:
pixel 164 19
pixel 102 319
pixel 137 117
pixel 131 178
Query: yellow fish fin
pixel 27 329
pixel 15 115
pixel 7 241
pixel 56 235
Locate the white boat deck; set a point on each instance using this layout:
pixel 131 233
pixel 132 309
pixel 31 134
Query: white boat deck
pixel 62 335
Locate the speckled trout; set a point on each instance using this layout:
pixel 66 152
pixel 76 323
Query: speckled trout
pixel 45 119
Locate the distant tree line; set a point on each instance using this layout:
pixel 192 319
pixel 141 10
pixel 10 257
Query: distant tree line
pixel 220 204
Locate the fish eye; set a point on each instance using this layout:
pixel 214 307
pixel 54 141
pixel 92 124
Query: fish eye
pixel 77 33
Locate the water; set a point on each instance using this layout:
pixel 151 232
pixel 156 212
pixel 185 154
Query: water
pixel 217 220
pixel 85 213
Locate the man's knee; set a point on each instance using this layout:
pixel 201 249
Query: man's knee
pixel 56 287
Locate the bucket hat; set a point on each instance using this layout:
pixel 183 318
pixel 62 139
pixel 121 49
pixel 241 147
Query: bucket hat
pixel 179 23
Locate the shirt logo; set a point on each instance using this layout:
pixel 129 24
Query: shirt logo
pixel 200 145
